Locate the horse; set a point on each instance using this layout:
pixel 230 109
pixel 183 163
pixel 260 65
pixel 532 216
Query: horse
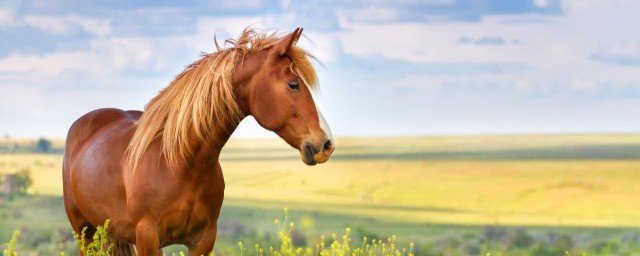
pixel 156 174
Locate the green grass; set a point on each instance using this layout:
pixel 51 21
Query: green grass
pixel 288 244
pixel 568 180
pixel 253 222
pixel 560 180
pixel 419 188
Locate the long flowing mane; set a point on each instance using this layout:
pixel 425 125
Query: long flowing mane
pixel 201 99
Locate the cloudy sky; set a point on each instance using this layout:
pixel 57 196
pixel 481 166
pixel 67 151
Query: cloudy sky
pixel 390 67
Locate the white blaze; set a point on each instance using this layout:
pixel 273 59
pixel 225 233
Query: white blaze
pixel 324 126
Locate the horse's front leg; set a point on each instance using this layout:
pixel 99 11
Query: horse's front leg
pixel 202 244
pixel 147 240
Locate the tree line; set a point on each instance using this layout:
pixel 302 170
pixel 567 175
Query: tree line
pixel 42 145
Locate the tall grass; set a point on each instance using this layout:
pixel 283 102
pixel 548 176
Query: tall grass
pixel 337 247
pixel 100 245
pixel 11 245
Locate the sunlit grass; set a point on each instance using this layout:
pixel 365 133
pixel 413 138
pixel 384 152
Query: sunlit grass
pixel 432 190
pixel 46 170
pixel 568 180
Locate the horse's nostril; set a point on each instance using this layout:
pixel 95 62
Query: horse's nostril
pixel 328 145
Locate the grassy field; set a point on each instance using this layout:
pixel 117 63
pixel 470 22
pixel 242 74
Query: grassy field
pixel 419 188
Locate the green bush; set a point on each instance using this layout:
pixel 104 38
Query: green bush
pixel 520 238
pixel 21 181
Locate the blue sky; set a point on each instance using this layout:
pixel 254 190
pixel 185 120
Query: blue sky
pixel 390 67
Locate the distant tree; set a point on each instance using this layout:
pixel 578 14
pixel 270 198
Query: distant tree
pixel 15 184
pixel 7 136
pixel 23 181
pixel 43 145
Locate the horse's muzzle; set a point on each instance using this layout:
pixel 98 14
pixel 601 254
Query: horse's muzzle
pixel 317 154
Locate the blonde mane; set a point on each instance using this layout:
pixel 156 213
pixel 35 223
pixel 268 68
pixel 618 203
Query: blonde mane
pixel 200 100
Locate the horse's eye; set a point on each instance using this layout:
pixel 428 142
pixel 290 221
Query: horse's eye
pixel 294 85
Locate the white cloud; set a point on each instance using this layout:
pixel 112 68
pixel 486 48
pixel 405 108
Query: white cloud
pixel 285 3
pixel 105 58
pixel 64 25
pixel 112 55
pixel 7 17
pixel 555 48
pixel 623 53
pixel 49 24
pixel 541 3
pixel 203 38
pixel 326 47
pixel 97 27
pixel 374 14
pixel 434 2
pixel 48 64
pixel 522 85
pixel 240 4
pixel 552 54
pixel 584 85
pixel 132 53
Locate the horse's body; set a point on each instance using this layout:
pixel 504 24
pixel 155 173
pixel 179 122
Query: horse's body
pixel 156 176
pixel 185 203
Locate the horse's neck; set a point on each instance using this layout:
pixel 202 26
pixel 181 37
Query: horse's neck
pixel 244 70
pixel 209 152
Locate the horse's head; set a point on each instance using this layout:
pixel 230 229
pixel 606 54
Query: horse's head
pixel 276 85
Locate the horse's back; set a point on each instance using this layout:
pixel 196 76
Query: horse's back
pixel 91 122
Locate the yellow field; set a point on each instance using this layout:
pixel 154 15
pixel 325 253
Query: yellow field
pixel 550 180
pixel 46 170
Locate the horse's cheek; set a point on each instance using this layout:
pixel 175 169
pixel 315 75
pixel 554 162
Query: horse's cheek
pixel 267 109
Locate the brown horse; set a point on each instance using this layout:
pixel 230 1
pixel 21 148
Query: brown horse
pixel 155 174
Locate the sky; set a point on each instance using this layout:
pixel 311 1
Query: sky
pixel 388 68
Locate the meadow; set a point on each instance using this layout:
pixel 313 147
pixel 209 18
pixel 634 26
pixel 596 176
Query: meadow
pixel 452 195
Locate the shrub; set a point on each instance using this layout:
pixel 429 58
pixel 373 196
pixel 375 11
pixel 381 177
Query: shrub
pixel 493 234
pixel 23 181
pixel 15 184
pixel 520 238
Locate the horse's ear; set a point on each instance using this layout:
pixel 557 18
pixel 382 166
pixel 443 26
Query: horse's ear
pixel 283 46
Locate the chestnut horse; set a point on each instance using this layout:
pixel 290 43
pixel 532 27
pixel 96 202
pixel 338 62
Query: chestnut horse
pixel 156 174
